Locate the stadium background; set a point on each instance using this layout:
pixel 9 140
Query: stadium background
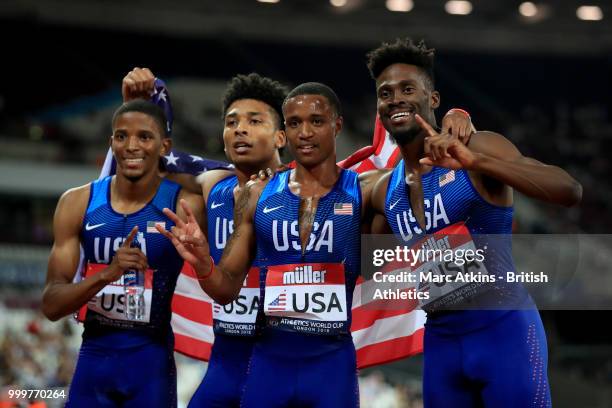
pixel 535 72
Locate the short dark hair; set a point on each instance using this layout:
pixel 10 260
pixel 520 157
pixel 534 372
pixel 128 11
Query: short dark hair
pixel 260 88
pixel 402 51
pixel 317 88
pixel 146 107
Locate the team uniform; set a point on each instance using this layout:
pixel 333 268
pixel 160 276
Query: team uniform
pixel 123 362
pixel 235 324
pixel 306 355
pixel 494 352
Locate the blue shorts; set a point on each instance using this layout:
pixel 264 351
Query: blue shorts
pixel 138 376
pixel 501 365
pixel 225 377
pixel 285 374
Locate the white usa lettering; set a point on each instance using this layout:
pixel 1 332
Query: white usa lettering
pixel 223 229
pixel 102 247
pixel 407 224
pixel 286 235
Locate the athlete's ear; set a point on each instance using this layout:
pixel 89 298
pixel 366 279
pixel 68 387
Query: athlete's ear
pixel 339 122
pixel 435 99
pixel 166 146
pixel 280 139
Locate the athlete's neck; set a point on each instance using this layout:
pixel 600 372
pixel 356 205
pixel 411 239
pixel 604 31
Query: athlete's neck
pixel 244 172
pixel 134 192
pixel 413 152
pixel 316 179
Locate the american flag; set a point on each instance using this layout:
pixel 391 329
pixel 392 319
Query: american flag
pixel 151 226
pixel 380 336
pixel 279 303
pixel 446 178
pixel 343 209
pixel 382 154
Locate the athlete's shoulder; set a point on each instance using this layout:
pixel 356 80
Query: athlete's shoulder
pixel 185 180
pixel 76 196
pixel 72 205
pixel 195 202
pixel 379 190
pixel 191 198
pixel 209 179
pixel 371 177
pixel 368 181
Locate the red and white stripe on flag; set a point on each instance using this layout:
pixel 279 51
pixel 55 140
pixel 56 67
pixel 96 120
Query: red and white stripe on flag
pixel 380 335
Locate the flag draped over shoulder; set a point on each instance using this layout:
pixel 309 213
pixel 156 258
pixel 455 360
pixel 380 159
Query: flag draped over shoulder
pixel 380 335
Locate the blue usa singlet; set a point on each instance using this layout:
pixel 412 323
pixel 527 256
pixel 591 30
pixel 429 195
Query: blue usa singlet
pixel 104 231
pixel 123 362
pixel 307 298
pixel 235 323
pixel 472 357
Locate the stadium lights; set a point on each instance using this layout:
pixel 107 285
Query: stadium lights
pixel 268 1
pixel 528 9
pixel 338 3
pixel 458 7
pixel 399 5
pixel 589 13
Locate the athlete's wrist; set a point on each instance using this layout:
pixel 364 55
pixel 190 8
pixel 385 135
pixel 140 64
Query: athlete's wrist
pixel 205 269
pixel 107 275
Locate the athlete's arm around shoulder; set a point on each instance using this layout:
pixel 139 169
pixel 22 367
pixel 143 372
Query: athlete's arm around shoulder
pixel 497 158
pixel 61 296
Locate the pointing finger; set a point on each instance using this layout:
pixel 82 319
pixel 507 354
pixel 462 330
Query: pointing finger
pixel 426 126
pixel 130 237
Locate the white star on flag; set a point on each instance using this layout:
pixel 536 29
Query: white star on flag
pixel 162 95
pixel 171 159
pixel 195 158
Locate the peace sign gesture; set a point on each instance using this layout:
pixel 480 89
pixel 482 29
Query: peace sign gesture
pixel 444 150
pixel 188 238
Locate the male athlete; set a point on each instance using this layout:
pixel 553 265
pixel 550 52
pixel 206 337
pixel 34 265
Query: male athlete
pixel 122 362
pixel 253 133
pixel 495 358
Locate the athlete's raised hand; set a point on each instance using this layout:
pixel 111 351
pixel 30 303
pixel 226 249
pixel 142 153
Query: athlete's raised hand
pixel 188 238
pixel 139 83
pixel 444 150
pixel 125 258
pixel 458 124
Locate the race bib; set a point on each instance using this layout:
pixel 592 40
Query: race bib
pixel 307 298
pixel 452 271
pixel 108 305
pixel 238 318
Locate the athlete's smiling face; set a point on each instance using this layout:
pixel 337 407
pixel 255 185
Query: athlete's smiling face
pixel 251 133
pixel 403 90
pixel 312 125
pixel 138 144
